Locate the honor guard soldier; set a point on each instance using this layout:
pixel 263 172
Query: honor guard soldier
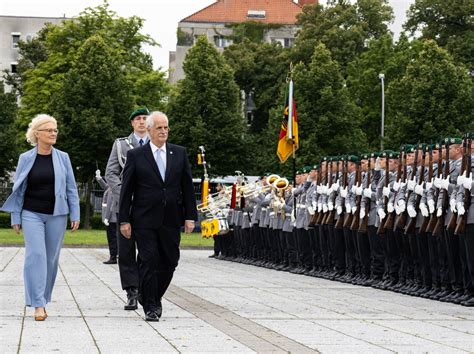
pixel 127 259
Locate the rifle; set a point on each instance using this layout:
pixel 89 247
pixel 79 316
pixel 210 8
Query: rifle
pixel 356 217
pixel 410 228
pixel 329 183
pixel 340 223
pixel 314 218
pixel 400 221
pixel 381 229
pixel 389 223
pixel 348 215
pixel 331 213
pixel 434 218
pixel 426 220
pixel 438 229
pixel 467 167
pixel 365 220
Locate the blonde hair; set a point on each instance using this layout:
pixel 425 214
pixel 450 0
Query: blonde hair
pixel 37 122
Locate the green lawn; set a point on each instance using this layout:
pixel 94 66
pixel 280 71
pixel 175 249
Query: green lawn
pixel 98 238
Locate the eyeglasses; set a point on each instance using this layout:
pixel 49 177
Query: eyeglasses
pixel 50 131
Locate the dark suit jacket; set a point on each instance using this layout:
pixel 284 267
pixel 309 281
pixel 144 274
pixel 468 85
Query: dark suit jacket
pixel 148 202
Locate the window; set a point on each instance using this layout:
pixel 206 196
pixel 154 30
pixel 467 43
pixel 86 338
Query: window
pixel 222 42
pixel 15 39
pixel 256 14
pixel 13 68
pixel 285 42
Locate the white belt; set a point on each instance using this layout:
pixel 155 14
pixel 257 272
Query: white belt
pixel 287 214
pixel 272 213
pixel 264 209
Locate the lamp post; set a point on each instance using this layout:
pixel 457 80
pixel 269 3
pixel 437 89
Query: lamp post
pixel 382 77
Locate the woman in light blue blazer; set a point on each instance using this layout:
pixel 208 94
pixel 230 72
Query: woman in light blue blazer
pixel 44 193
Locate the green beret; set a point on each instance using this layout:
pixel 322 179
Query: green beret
pixel 352 158
pixel 452 141
pixel 393 155
pixel 374 154
pixel 365 156
pixel 315 167
pixel 143 111
pixel 409 148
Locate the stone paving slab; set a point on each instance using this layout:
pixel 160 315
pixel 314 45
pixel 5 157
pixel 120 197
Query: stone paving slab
pixel 220 306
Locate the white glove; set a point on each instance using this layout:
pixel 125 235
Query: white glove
pixel 353 210
pixel 348 207
pixel 419 189
pixel 411 185
pixel 325 208
pixel 359 190
pixel 328 190
pixel 431 206
pixel 411 211
pixel 320 207
pixel 439 212
pixel 437 182
pixel 319 189
pixel 396 186
pixel 106 221
pixel 362 213
pixel 97 174
pixel 335 186
pixel 390 207
pixel 330 206
pixel 401 205
pixel 429 185
pixel 314 205
pixel 445 183
pixel 344 192
pixel 353 189
pixel 368 193
pixel 386 191
pixel 398 211
pixel 460 180
pixel 324 189
pixel 461 209
pixel 377 166
pixel 381 213
pixel 424 210
pixel 468 182
pixel 452 205
pixel 310 210
pixel 339 210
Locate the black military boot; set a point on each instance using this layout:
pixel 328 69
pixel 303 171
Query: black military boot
pixel 132 299
pixel 111 260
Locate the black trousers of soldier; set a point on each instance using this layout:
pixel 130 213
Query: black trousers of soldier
pixel 412 239
pixel 127 260
pixel 227 241
pixel 393 255
pixel 268 247
pixel 424 258
pixel 409 265
pixel 283 250
pixel 112 239
pixel 332 246
pixel 338 250
pixel 454 260
pixel 432 242
pixel 258 247
pixel 217 245
pixel 291 247
pixel 468 238
pixel 324 246
pixel 304 249
pixel 315 249
pixel 350 251
pixel 376 253
pixel 398 235
pixel 363 249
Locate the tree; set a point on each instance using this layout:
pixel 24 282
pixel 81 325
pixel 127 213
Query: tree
pixel 432 99
pixel 8 109
pixel 90 108
pixel 344 28
pixel 329 122
pixel 448 22
pixel 205 110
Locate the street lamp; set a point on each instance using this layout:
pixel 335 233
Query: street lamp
pixel 382 77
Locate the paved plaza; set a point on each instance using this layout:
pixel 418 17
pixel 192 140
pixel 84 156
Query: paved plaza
pixel 220 306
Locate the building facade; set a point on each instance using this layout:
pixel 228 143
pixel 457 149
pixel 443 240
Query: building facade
pixel 216 20
pixel 16 28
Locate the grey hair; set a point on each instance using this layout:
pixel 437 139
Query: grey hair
pixel 38 121
pixel 150 119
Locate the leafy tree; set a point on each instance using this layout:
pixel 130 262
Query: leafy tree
pixel 329 122
pixel 449 22
pixel 90 108
pixel 432 99
pixel 205 110
pixel 8 109
pixel 343 27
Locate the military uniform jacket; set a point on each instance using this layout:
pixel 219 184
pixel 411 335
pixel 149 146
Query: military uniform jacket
pixel 257 208
pixel 372 218
pixel 115 164
pixel 460 196
pixel 301 212
pixel 288 224
pixel 107 203
pixel 454 171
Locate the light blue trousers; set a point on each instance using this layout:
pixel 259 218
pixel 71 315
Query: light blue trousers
pixel 44 235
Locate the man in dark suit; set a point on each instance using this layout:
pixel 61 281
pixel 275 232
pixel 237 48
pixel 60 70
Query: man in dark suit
pixel 156 199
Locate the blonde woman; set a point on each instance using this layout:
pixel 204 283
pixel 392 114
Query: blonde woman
pixel 43 194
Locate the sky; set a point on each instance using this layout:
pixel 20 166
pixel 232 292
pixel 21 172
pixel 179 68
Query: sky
pixel 161 16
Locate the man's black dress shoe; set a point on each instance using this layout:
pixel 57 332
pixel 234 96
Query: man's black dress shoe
pixel 468 303
pixel 159 310
pixel 151 316
pixel 132 299
pixel 111 260
pixel 212 256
